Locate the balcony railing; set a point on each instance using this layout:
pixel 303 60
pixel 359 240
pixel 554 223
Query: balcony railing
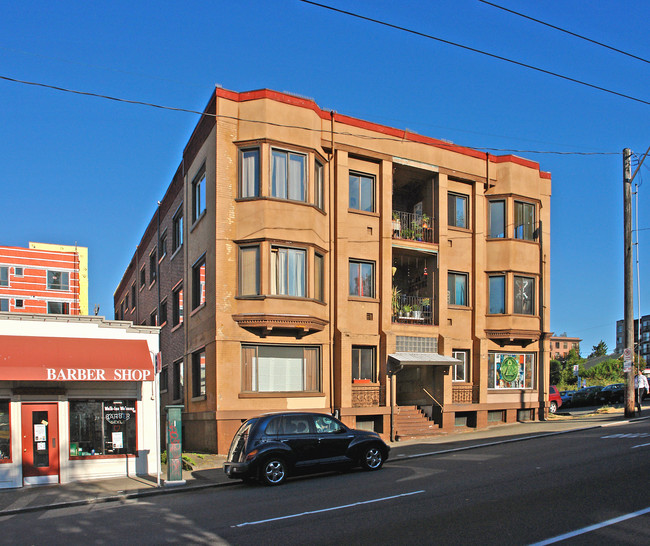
pixel 412 227
pixel 412 310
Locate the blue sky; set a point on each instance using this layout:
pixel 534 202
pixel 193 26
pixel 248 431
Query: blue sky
pixel 89 171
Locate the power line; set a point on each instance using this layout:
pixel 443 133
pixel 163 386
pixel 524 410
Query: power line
pixel 566 31
pixel 440 144
pixel 481 52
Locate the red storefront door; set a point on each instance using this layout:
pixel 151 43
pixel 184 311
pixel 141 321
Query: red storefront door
pixel 40 443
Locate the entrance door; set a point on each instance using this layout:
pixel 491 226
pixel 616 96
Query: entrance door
pixel 40 443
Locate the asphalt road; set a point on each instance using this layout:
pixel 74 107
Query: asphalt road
pixel 514 493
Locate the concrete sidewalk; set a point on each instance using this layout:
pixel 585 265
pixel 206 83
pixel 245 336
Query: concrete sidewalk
pixel 35 498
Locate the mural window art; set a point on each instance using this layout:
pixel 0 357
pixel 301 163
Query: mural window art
pixel 510 370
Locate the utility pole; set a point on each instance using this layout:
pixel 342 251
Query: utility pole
pixel 628 307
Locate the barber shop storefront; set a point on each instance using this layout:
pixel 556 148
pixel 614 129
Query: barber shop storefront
pixel 77 399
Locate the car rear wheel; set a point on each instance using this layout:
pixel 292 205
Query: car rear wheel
pixel 273 471
pixel 372 458
pixel 553 407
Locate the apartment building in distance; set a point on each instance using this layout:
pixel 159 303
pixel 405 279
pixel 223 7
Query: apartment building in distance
pixel 302 259
pixel 561 344
pixel 641 337
pixel 44 278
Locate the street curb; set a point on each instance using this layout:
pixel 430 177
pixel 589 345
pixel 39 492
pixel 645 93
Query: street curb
pixel 185 489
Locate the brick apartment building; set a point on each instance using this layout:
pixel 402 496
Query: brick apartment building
pixel 301 259
pixel 44 278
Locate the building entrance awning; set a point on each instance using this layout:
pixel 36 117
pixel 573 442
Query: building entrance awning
pixel 32 358
pixel 397 361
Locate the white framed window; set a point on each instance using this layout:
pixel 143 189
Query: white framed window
pixel 58 280
pixel 288 175
pixel 281 368
pixel 288 271
pixel 459 371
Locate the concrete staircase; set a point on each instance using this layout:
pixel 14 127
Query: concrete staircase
pixel 411 422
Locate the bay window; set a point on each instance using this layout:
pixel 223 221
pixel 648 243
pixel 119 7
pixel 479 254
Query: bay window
pixel 288 175
pixel 497 218
pixel 280 368
pixel 249 271
pixel 288 271
pixel 524 296
pixel 249 185
pixel 524 221
pixel 497 288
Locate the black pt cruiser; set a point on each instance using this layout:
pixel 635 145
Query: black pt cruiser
pixel 271 447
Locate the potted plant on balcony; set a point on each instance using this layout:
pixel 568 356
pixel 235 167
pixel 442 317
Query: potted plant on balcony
pixel 417 311
pixel 407 309
pixel 397 224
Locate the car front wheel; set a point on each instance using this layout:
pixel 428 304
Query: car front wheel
pixel 273 471
pixel 372 458
pixel 553 407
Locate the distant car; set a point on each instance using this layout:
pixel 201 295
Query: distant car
pixel 271 447
pixel 566 397
pixel 612 394
pixel 554 399
pixel 587 396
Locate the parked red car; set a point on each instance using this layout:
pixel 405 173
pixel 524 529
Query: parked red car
pixel 554 398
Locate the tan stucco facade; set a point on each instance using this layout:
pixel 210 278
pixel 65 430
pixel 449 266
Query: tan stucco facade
pixel 404 211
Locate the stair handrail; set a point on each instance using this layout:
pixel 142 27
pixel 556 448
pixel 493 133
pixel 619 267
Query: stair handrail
pixel 430 395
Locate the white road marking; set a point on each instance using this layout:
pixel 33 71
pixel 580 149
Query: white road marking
pixel 584 530
pixel 328 509
pixel 640 445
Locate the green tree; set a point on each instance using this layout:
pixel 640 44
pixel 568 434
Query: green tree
pixel 599 350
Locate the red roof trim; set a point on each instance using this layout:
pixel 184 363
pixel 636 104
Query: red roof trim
pixel 371 126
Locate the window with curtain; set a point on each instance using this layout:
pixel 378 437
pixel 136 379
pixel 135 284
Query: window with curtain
pixel 288 175
pixel 280 368
pixel 524 221
pixel 249 271
pixel 497 219
pixel 457 289
pixel 524 296
pixel 457 213
pixel 288 271
pixel 250 173
pixel 319 277
pixel 497 294
pixel 319 185
pixel 362 192
pixel 362 279
pixel 363 363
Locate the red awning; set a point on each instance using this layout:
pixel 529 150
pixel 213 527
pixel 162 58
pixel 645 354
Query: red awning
pixel 32 358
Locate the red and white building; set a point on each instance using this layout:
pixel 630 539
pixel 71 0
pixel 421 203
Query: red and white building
pixel 44 278
pixel 78 399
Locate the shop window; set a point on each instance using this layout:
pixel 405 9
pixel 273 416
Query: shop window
pixel 362 279
pixel 198 374
pixel 102 427
pixel 362 192
pixel 5 432
pixel 511 370
pixel 363 363
pixel 288 175
pixel 276 368
pixel 249 184
pixel 58 280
